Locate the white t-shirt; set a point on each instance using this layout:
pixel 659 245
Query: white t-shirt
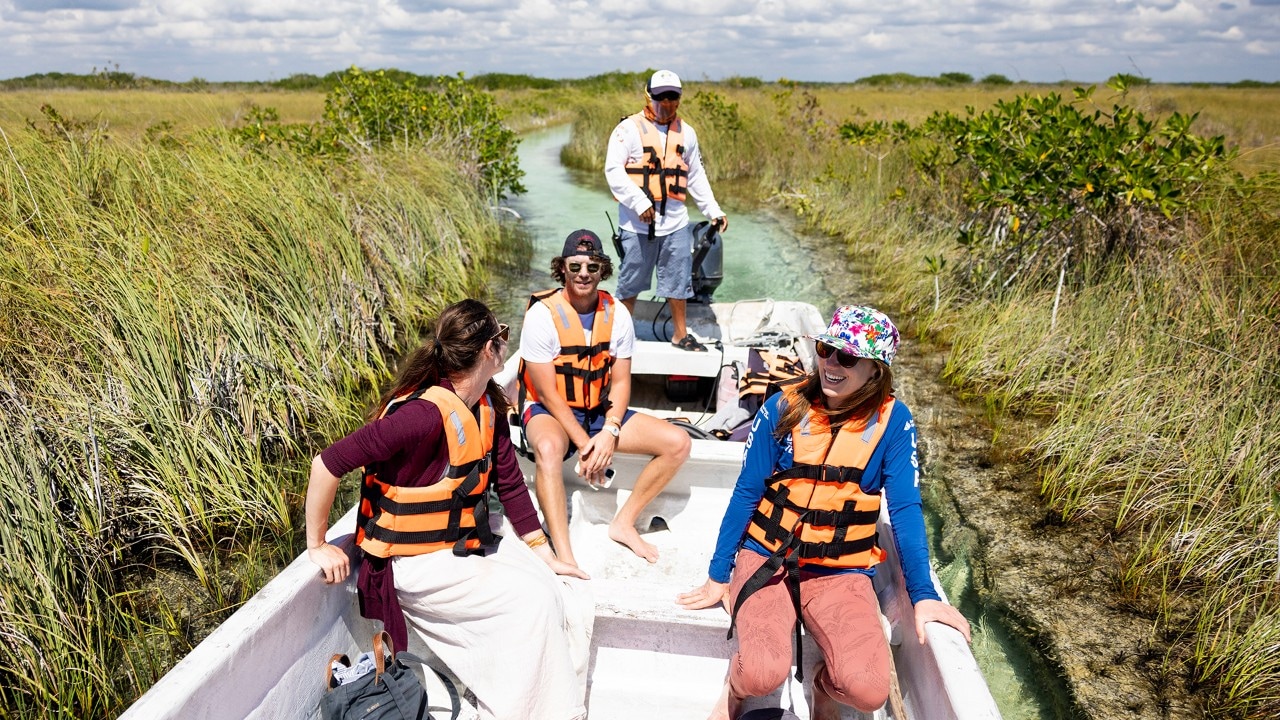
pixel 540 343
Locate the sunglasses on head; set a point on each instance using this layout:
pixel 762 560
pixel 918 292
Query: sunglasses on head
pixel 846 359
pixel 592 268
pixel 667 96
pixel 503 334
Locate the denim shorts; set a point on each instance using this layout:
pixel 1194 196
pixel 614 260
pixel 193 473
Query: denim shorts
pixel 672 255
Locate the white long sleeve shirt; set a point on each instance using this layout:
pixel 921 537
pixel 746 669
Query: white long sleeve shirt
pixel 624 147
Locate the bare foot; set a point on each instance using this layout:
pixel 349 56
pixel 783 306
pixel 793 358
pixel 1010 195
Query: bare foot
pixel 824 707
pixel 727 706
pixel 629 536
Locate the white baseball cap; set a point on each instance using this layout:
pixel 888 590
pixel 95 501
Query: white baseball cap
pixel 664 81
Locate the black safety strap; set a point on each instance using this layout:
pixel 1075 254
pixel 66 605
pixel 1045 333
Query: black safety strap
pixel 781 558
pixel 822 473
pixel 586 377
pixel 585 351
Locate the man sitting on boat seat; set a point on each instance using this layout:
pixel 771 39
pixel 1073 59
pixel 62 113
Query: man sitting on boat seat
pixel 575 368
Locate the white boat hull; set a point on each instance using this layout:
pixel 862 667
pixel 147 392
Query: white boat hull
pixel 648 657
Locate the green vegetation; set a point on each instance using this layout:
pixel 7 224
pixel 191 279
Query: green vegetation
pixel 1142 334
pixel 385 110
pixel 1051 188
pixel 186 320
pixel 201 284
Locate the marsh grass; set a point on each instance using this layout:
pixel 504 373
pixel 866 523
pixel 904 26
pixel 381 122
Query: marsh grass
pixel 183 324
pixel 1158 380
pixel 130 113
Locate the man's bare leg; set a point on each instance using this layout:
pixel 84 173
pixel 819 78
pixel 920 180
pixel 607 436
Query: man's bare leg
pixel 630 303
pixel 669 446
pixel 549 443
pixel 679 329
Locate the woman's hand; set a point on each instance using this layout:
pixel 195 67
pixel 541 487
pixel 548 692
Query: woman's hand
pixel 333 562
pixel 937 611
pixel 547 555
pixel 709 594
pixel 561 567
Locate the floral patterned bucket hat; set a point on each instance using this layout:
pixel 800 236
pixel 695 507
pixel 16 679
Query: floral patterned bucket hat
pixel 862 331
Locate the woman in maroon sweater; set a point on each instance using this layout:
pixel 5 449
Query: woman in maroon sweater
pixel 464 599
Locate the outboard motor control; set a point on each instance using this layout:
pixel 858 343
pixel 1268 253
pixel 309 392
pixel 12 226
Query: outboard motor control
pixel 708 261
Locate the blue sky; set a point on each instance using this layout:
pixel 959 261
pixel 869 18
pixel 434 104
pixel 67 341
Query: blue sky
pixel 826 40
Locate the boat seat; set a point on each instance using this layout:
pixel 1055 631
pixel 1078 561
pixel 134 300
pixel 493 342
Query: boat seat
pixel 663 358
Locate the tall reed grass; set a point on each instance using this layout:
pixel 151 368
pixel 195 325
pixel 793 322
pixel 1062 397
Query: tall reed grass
pixel 183 323
pixel 1159 382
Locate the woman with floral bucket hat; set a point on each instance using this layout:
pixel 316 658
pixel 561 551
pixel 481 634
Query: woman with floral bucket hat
pixel 798 541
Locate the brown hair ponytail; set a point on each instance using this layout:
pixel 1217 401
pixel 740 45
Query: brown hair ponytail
pixel 461 333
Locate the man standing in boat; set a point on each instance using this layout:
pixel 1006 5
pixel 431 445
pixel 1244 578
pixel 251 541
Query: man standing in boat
pixel 575 368
pixel 651 164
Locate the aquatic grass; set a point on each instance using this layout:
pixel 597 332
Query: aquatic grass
pixel 183 324
pixel 129 114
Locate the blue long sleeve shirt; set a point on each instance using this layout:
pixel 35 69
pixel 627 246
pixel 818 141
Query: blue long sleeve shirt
pixel 894 467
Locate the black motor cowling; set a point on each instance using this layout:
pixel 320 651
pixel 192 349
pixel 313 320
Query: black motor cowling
pixel 708 261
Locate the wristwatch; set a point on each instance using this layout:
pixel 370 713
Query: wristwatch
pixel 612 429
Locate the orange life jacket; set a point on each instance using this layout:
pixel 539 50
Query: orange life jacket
pixel 450 514
pixel 778 367
pixel 815 512
pixel 661 171
pixel 816 509
pixel 582 371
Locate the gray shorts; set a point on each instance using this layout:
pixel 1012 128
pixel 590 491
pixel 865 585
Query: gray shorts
pixel 671 254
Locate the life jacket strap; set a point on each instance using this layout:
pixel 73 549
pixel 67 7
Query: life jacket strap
pixel 388 505
pixel 481 466
pixel 585 351
pixel 822 473
pixel 762 577
pixel 779 497
pixel 586 376
pixel 835 549
pixel 841 518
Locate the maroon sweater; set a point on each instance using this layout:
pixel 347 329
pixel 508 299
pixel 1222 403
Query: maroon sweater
pixel 410 447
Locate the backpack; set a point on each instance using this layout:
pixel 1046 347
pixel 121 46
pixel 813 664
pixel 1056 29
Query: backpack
pixel 389 691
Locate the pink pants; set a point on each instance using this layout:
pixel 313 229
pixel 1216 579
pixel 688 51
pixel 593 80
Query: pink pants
pixel 842 616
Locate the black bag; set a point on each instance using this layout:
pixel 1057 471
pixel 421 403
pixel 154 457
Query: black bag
pixel 390 692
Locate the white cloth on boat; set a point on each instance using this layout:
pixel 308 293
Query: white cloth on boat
pixel 511 630
pixel 363 665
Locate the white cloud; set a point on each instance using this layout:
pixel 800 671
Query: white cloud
pixel 877 40
pixel 807 39
pixel 1231 33
pixel 1142 36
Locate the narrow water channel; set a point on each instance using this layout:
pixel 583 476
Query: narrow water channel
pixel 764 257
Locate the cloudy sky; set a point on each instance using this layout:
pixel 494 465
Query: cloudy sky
pixel 1037 40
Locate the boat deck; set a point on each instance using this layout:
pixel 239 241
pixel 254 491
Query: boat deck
pixel 649 654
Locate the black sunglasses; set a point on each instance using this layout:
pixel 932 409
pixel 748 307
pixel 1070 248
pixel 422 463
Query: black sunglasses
pixel 846 359
pixel 592 268
pixel 503 334
pixel 667 96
